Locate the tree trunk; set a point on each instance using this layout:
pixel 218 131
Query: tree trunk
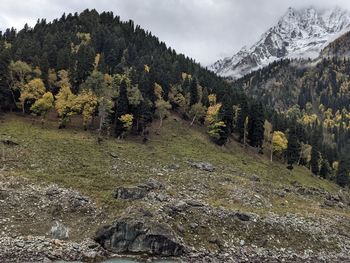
pixel 271 152
pixel 3 157
pixel 160 123
pixel 194 118
pixel 100 126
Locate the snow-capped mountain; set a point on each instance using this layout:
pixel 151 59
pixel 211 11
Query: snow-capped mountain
pixel 298 34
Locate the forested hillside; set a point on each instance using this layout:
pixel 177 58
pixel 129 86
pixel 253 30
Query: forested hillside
pixel 88 62
pixel 315 96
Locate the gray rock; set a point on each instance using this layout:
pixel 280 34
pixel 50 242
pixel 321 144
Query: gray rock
pixel 136 236
pixel 178 206
pixel 194 203
pixel 255 178
pixel 9 142
pixel 242 216
pixel 152 184
pixel 204 166
pixel 59 231
pixel 281 194
pixel 130 193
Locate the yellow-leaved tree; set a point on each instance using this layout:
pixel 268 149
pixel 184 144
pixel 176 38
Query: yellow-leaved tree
pixel 162 106
pixel 127 120
pixel 31 91
pixel 43 105
pixel 279 143
pixel 177 100
pixel 87 101
pixel 66 105
pixel 215 125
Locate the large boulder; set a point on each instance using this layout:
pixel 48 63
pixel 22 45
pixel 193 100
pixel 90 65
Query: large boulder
pixel 136 236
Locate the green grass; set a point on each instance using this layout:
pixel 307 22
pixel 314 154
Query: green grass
pixel 73 158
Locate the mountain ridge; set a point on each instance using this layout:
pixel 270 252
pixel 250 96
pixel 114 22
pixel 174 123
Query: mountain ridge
pixel 301 33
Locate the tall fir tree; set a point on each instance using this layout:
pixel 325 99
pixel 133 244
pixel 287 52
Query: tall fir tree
pixel 316 141
pixel 343 173
pixel 256 125
pixel 241 118
pixel 122 108
pixel 293 147
pixel 194 91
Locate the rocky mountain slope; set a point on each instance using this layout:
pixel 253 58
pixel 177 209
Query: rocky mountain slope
pixel 338 48
pixel 177 196
pixel 298 34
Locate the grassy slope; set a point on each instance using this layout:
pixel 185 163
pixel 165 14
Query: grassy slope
pixel 72 158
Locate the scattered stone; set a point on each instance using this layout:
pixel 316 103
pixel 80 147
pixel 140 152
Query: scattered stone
pixel 202 166
pixel 114 155
pixel 9 142
pixel 242 216
pixel 130 193
pixel 281 194
pixel 255 178
pixel 59 231
pixel 194 203
pixel 153 184
pixel 193 225
pixel 178 206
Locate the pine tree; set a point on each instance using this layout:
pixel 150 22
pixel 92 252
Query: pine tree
pixel 242 116
pixel 122 108
pixel 256 126
pixel 194 92
pixel 315 152
pixel 293 148
pixel 325 169
pixel 343 174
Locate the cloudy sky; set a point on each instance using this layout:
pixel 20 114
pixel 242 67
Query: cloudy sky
pixel 203 29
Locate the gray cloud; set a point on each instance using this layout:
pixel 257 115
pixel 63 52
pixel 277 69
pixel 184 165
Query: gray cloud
pixel 203 29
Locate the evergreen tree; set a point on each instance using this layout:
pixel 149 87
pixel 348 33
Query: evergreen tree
pixel 256 126
pixel 226 115
pixel 325 169
pixel 242 116
pixel 85 63
pixel 315 152
pixel 194 92
pixel 293 148
pixel 121 109
pixel 343 173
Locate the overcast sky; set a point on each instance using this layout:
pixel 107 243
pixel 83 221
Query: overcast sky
pixel 205 30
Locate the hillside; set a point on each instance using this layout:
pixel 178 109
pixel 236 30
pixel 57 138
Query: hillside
pixel 240 207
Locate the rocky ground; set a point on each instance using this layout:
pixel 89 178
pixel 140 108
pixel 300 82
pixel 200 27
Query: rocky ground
pixel 163 226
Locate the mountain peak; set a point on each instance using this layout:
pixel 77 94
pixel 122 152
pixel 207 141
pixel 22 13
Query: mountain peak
pixel 299 33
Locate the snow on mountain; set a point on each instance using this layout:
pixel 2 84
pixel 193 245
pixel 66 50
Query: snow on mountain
pixel 298 34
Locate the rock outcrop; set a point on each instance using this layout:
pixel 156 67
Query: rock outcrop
pixel 137 236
